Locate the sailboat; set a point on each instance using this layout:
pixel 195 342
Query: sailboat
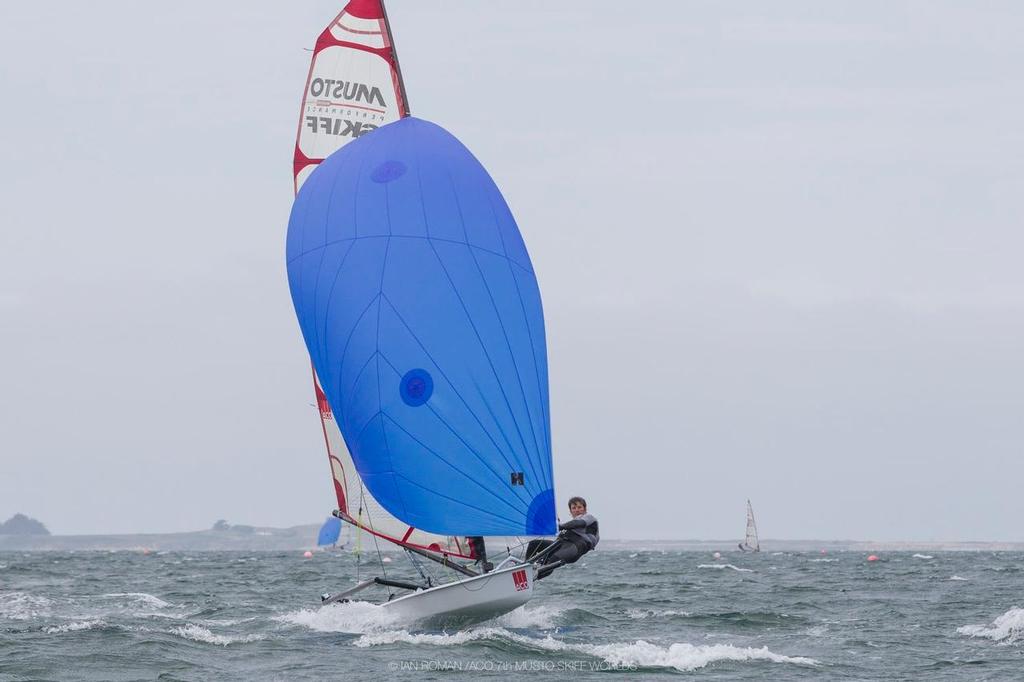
pixel 750 542
pixel 329 536
pixel 421 313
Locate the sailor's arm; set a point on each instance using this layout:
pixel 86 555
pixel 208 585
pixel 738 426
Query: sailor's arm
pixel 579 523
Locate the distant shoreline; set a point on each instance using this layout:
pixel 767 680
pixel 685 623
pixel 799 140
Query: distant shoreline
pixel 297 538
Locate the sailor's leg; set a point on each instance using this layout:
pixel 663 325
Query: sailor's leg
pixel 479 551
pixel 567 553
pixel 564 553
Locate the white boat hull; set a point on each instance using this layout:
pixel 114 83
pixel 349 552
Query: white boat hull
pixel 468 601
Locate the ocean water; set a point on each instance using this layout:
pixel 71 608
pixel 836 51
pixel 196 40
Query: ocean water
pixel 633 614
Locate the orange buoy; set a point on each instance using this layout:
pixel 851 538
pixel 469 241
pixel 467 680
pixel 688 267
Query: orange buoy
pixel 307 554
pixel 872 558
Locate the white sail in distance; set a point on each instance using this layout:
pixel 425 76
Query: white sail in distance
pixel 354 86
pixel 750 542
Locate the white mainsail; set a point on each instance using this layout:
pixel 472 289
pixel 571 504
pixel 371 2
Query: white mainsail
pixel 354 86
pixel 750 542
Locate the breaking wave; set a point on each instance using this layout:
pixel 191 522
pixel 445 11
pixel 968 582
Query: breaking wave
pixel 22 606
pixel 735 568
pixel 198 633
pixel 923 556
pixel 355 618
pixel 643 614
pixel 142 598
pixel 1007 628
pixel 641 654
pixel 72 627
pixel 956 577
pixel 535 617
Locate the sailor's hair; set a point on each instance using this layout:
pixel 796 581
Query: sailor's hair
pixel 573 500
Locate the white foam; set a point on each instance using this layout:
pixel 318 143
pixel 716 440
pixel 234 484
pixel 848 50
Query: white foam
pixel 642 614
pixel 225 621
pixel 356 617
pixel 735 568
pixel 535 617
pixel 147 599
pixel 956 577
pixel 1007 628
pixel 22 606
pixel 681 656
pixel 443 639
pixel 200 634
pixel 923 556
pixel 633 555
pixel 73 626
pixel 822 561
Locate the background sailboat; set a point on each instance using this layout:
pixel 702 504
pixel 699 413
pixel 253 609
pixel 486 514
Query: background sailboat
pixel 330 534
pixel 750 542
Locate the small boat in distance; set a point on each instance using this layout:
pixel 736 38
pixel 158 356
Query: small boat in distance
pixel 750 543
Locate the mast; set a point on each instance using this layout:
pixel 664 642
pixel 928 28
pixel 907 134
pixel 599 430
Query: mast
pixel 406 110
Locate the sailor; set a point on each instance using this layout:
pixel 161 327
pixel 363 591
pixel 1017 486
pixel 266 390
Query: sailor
pixel 575 538
pixel 478 551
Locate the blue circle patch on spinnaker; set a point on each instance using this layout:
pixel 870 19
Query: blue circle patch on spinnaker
pixel 416 387
pixel 388 171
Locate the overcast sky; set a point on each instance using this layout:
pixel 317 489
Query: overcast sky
pixel 779 246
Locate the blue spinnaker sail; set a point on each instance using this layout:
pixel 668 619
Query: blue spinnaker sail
pixel 329 532
pixel 420 308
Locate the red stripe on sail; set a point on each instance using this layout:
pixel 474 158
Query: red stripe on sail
pixel 433 547
pixel 365 9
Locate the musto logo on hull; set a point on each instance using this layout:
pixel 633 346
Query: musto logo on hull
pixel 520 579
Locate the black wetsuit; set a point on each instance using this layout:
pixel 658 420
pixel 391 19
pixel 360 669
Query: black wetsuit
pixel 578 537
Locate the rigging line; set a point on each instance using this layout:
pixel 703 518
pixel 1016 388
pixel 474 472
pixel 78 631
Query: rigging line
pixel 384 415
pixel 501 386
pixel 451 383
pixel 455 432
pixel 416 562
pixel 374 534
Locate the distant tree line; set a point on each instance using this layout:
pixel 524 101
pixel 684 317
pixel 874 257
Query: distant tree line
pixel 19 524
